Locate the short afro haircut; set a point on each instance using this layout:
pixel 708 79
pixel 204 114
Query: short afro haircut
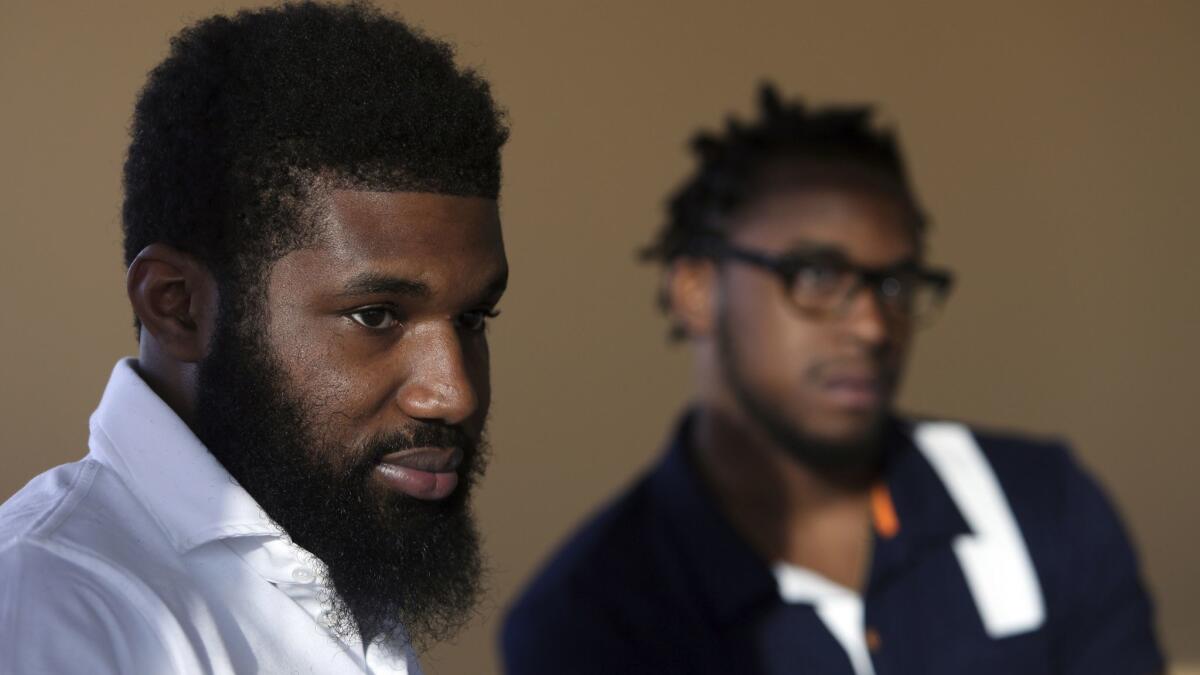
pixel 788 147
pixel 248 113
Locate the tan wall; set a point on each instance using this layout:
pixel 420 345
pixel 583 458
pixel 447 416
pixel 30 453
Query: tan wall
pixel 1055 144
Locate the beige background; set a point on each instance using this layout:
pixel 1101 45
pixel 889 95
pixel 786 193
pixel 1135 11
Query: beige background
pixel 1055 144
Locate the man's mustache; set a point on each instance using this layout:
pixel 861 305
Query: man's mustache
pixel 423 435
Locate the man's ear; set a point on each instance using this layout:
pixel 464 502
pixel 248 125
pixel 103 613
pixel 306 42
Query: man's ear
pixel 175 297
pixel 691 294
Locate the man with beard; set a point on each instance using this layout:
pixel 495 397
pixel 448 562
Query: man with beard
pixel 797 524
pixel 280 481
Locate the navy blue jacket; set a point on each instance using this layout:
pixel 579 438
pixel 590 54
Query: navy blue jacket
pixel 659 582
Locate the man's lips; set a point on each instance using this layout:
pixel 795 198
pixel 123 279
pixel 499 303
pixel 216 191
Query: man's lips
pixel 855 391
pixel 423 473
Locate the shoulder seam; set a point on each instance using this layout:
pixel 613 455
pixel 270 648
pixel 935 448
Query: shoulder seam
pixel 53 516
pixel 75 492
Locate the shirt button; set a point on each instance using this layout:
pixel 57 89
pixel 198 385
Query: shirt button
pixel 874 641
pixel 303 575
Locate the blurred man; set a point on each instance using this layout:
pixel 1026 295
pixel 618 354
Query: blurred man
pixel 280 481
pixel 796 524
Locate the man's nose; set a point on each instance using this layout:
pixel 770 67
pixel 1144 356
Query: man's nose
pixel 440 387
pixel 865 316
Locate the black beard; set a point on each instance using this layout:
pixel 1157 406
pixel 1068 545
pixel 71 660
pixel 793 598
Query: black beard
pixel 851 462
pixel 402 569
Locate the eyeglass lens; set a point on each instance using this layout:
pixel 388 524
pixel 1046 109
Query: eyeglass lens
pixel 829 287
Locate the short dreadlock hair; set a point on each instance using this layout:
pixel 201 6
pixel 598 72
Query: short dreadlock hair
pixel 834 146
pixel 248 113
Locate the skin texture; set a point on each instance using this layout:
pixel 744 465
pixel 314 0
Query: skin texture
pixel 384 317
pixel 430 367
pixel 366 345
pixel 772 396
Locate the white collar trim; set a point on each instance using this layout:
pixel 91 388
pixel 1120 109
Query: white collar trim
pixel 185 488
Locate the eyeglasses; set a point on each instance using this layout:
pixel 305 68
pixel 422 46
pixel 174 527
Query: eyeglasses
pixel 824 283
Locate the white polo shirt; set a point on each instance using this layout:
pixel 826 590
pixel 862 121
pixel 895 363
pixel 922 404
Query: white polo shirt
pixel 147 557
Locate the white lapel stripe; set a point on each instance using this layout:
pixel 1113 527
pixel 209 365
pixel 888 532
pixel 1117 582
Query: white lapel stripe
pixel 994 558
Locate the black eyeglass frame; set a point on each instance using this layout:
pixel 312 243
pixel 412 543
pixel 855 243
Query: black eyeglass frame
pixel 789 265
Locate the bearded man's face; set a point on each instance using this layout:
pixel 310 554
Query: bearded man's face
pixel 349 400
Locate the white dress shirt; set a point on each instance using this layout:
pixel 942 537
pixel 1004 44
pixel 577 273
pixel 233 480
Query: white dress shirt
pixel 147 557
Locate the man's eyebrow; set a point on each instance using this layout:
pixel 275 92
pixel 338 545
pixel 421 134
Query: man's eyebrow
pixel 806 248
pixel 374 283
pixel 498 285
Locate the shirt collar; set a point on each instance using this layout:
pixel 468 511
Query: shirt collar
pixel 187 491
pixel 735 580
pixel 928 519
pixel 925 509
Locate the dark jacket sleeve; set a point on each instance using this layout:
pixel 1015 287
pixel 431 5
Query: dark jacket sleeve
pixel 543 636
pixel 611 600
pixel 1102 616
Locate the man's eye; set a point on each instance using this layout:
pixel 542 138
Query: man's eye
pixel 375 318
pixel 476 321
pixel 897 286
pixel 819 277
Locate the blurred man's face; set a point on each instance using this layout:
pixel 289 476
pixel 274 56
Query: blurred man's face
pixel 820 385
pixel 352 406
